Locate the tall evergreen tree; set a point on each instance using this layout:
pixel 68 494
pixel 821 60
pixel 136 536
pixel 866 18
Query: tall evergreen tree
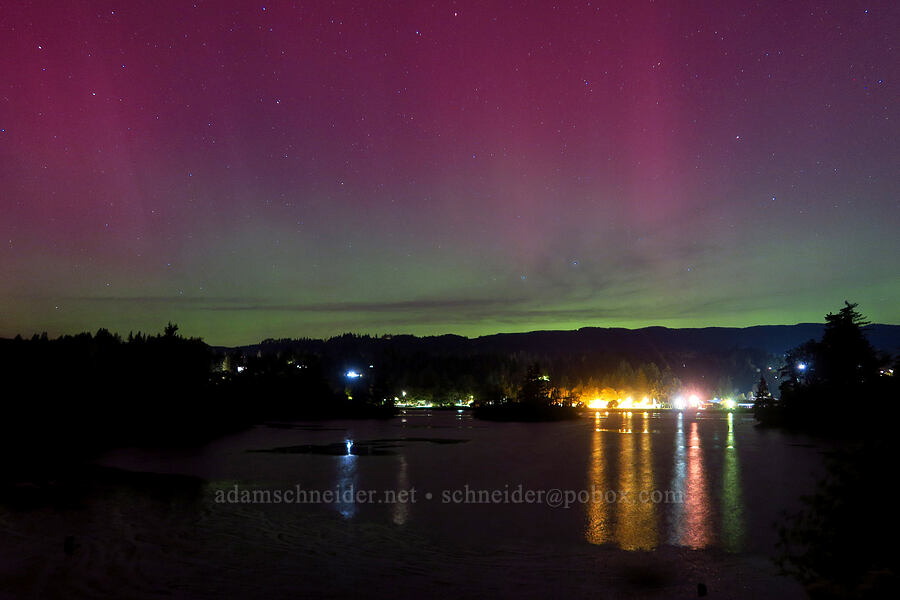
pixel 535 389
pixel 764 403
pixel 820 378
pixel 847 358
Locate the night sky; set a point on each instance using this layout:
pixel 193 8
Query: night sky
pixel 253 170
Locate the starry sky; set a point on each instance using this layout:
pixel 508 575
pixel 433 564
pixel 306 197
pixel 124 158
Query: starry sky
pixel 287 169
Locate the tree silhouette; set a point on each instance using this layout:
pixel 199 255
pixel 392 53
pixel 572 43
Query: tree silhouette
pixel 764 402
pixel 848 359
pixel 171 330
pixel 535 390
pixel 819 378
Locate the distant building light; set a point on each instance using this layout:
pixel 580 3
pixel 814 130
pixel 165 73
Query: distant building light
pixel 353 374
pixel 801 366
pixel 241 369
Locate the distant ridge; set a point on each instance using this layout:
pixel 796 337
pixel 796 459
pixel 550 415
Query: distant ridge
pixel 772 339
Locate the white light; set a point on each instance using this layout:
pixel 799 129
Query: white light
pixel 801 366
pixel 241 369
pixel 349 445
pixel 353 374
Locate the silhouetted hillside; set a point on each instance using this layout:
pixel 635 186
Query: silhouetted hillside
pixel 97 390
pixel 773 339
pixel 655 361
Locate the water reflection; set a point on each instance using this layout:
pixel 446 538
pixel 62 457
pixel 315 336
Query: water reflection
pixel 732 500
pixel 647 507
pixel 627 524
pixel 679 471
pixel 347 473
pixel 400 511
pixel 696 531
pixel 623 515
pixel 636 517
pixel 648 480
pixel 598 511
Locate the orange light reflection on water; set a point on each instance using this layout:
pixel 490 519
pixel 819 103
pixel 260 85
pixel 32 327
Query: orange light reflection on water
pixel 597 512
pixel 627 517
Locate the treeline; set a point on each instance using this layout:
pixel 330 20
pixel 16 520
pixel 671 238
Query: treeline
pixel 843 543
pixel 87 391
pixel 77 394
pixel 820 381
pixel 95 390
pixel 100 389
pixel 450 369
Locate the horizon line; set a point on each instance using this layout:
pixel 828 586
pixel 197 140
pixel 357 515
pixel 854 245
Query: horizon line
pixel 437 335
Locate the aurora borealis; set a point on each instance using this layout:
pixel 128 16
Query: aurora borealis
pixel 286 169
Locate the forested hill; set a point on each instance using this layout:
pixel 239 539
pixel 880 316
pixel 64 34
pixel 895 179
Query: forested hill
pixel 773 339
pixel 645 342
pixel 716 361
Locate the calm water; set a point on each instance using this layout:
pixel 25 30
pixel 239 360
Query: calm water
pixel 646 504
